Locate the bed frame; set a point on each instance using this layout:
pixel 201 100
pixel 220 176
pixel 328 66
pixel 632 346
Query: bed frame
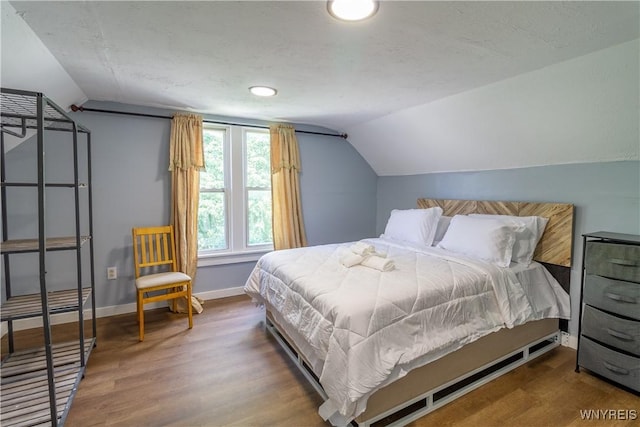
pixel 435 384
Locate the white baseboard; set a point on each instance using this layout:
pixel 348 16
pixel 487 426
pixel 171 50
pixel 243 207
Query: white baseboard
pixel 114 310
pixel 569 341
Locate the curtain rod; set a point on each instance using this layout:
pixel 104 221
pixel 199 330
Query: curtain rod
pixel 75 108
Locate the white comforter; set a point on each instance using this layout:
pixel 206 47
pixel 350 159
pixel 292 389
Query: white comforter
pixel 364 328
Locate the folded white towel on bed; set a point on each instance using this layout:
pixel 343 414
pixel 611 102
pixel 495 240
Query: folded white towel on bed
pixel 379 263
pixel 349 259
pixel 362 248
pixel 364 254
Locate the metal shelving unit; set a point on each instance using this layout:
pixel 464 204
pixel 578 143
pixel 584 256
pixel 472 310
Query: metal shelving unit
pixel 38 385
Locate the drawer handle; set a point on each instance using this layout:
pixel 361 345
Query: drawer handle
pixel 620 298
pixel 625 262
pixel 616 369
pixel 620 335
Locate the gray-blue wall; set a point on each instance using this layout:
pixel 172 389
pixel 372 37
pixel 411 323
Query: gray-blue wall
pixel 131 187
pixel 343 199
pixel 22 211
pixel 606 197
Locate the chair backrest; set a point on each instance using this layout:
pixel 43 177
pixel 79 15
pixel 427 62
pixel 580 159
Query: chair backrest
pixel 153 247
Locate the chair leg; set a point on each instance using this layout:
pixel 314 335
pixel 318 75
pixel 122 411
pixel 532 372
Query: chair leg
pixel 140 315
pixel 174 302
pixel 189 306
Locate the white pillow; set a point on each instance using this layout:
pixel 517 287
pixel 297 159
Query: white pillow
pixel 443 224
pixel 527 239
pixel 413 225
pixel 485 239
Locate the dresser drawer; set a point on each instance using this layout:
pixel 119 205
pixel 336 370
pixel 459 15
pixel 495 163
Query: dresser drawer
pixel 616 296
pixel 618 367
pixel 617 261
pixel 620 333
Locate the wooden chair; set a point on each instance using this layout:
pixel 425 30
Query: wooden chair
pixel 154 251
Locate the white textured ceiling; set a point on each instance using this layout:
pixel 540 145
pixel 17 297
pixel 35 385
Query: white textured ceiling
pixel 202 56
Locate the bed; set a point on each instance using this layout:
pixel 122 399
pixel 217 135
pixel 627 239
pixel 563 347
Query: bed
pixel 390 342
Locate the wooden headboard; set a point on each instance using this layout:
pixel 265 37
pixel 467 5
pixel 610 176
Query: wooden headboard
pixel 556 242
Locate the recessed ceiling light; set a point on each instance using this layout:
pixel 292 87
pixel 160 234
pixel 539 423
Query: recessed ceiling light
pixel 352 10
pixel 263 90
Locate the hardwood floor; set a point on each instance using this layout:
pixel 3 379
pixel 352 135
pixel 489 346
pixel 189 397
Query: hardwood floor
pixel 227 371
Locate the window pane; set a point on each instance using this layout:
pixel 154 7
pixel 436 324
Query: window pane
pixel 258 172
pixel 213 177
pixel 259 217
pixel 211 222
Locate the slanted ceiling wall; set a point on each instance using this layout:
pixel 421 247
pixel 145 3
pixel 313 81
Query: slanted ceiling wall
pixel 566 133
pixel 28 64
pixel 583 110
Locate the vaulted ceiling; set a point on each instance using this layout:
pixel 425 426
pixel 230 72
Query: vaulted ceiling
pixel 203 56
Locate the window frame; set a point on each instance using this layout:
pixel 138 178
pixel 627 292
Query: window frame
pixel 236 201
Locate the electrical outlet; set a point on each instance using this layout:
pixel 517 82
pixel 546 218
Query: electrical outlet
pixel 112 273
pixel 565 339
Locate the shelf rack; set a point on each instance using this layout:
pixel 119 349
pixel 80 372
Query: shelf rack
pixel 38 385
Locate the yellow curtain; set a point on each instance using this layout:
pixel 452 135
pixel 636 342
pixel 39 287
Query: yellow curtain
pixel 288 225
pixel 186 160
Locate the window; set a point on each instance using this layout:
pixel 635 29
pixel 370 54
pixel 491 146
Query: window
pixel 257 178
pixel 212 210
pixel 234 214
